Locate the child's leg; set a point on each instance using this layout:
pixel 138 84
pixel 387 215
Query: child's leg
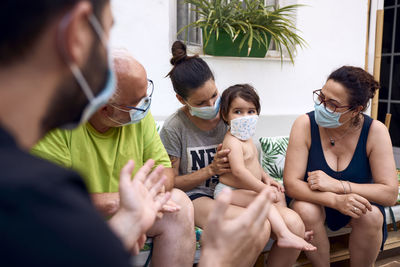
pixel 242 197
pixel 285 238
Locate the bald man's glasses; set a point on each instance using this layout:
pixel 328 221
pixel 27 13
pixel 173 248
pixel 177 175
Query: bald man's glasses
pixel 145 102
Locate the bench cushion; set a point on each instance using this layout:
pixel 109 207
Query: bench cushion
pixel 272 156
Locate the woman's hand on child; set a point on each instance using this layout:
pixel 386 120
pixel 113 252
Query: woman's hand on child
pixel 220 164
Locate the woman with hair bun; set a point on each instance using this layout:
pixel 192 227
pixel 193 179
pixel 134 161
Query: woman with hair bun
pixel 192 137
pixel 340 168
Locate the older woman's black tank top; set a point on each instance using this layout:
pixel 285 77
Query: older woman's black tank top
pixel 358 170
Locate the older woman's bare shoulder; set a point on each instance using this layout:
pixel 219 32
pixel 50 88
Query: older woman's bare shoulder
pixel 302 122
pixel 378 131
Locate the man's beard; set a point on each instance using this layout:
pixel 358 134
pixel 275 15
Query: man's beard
pixel 69 100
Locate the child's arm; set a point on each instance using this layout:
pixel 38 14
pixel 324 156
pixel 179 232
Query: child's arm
pixel 270 181
pixel 244 178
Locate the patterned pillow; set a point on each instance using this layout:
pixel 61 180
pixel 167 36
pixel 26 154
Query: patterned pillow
pixel 159 125
pixel 272 157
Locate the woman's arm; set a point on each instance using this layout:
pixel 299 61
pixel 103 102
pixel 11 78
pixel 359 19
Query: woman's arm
pixel 220 165
pixel 384 190
pixel 296 165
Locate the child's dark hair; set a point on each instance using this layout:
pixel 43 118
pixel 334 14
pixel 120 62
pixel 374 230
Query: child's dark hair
pixel 245 91
pixel 189 72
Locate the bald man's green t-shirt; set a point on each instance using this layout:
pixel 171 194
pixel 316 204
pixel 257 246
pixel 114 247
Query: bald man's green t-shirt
pixel 99 157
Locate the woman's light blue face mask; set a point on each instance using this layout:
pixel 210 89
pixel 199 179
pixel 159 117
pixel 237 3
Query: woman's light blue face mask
pixel 206 113
pixel 327 119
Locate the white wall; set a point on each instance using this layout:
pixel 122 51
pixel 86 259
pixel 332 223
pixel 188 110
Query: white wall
pixel 334 29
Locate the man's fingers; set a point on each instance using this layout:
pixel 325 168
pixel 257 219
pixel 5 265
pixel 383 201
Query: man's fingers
pixel 258 210
pixel 142 173
pixel 154 177
pixel 171 206
pixel 160 201
pixel 126 173
pixel 221 205
pixel 135 249
pixel 154 189
pixel 142 241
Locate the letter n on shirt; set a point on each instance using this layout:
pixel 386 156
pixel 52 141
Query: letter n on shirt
pixel 200 157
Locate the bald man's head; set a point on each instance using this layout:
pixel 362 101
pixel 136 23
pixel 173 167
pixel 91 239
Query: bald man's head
pixel 131 79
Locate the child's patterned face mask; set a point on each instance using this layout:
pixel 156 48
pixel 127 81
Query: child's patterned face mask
pixel 244 127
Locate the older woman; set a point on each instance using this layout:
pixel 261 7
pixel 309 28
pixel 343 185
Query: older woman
pixel 340 167
pixel 191 136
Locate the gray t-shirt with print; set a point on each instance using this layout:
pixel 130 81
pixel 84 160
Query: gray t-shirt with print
pixel 195 148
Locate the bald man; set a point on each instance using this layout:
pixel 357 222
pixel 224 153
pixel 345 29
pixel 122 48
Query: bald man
pixel 124 129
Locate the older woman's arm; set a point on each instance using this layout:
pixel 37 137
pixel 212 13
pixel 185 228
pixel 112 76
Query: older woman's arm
pixel 384 190
pixel 296 165
pixel 295 168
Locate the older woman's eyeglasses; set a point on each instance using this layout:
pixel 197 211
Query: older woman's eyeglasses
pixel 329 105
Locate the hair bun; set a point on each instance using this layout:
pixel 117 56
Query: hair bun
pixel 178 52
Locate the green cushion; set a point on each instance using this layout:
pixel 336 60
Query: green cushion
pixel 273 153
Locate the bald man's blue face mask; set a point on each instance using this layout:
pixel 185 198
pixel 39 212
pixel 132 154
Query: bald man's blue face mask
pixel 95 102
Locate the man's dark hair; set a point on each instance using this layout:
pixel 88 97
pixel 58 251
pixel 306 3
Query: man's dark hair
pixel 22 22
pixel 245 91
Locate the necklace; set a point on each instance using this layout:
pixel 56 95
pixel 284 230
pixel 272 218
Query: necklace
pixel 332 140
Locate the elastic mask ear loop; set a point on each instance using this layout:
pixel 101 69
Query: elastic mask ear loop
pixel 98 29
pixel 72 65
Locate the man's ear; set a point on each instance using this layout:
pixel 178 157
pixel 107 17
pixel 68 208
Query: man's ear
pixel 76 35
pixel 180 99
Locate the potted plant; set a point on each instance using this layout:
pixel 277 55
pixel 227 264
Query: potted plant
pixel 245 28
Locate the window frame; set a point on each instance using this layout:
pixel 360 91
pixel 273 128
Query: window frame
pixel 197 48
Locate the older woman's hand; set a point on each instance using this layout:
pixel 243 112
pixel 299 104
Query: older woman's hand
pixel 352 205
pixel 319 180
pixel 220 164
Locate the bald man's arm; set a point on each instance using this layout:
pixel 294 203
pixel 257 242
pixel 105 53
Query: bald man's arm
pixel 108 203
pixel 169 184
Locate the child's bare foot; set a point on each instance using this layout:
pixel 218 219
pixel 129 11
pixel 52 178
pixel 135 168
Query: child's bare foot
pixel 309 236
pixel 290 240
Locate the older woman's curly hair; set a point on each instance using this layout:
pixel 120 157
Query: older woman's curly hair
pixel 360 85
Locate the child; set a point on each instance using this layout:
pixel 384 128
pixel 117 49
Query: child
pixel 240 107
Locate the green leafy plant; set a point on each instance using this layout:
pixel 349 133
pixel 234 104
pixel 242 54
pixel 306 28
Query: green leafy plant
pixel 251 18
